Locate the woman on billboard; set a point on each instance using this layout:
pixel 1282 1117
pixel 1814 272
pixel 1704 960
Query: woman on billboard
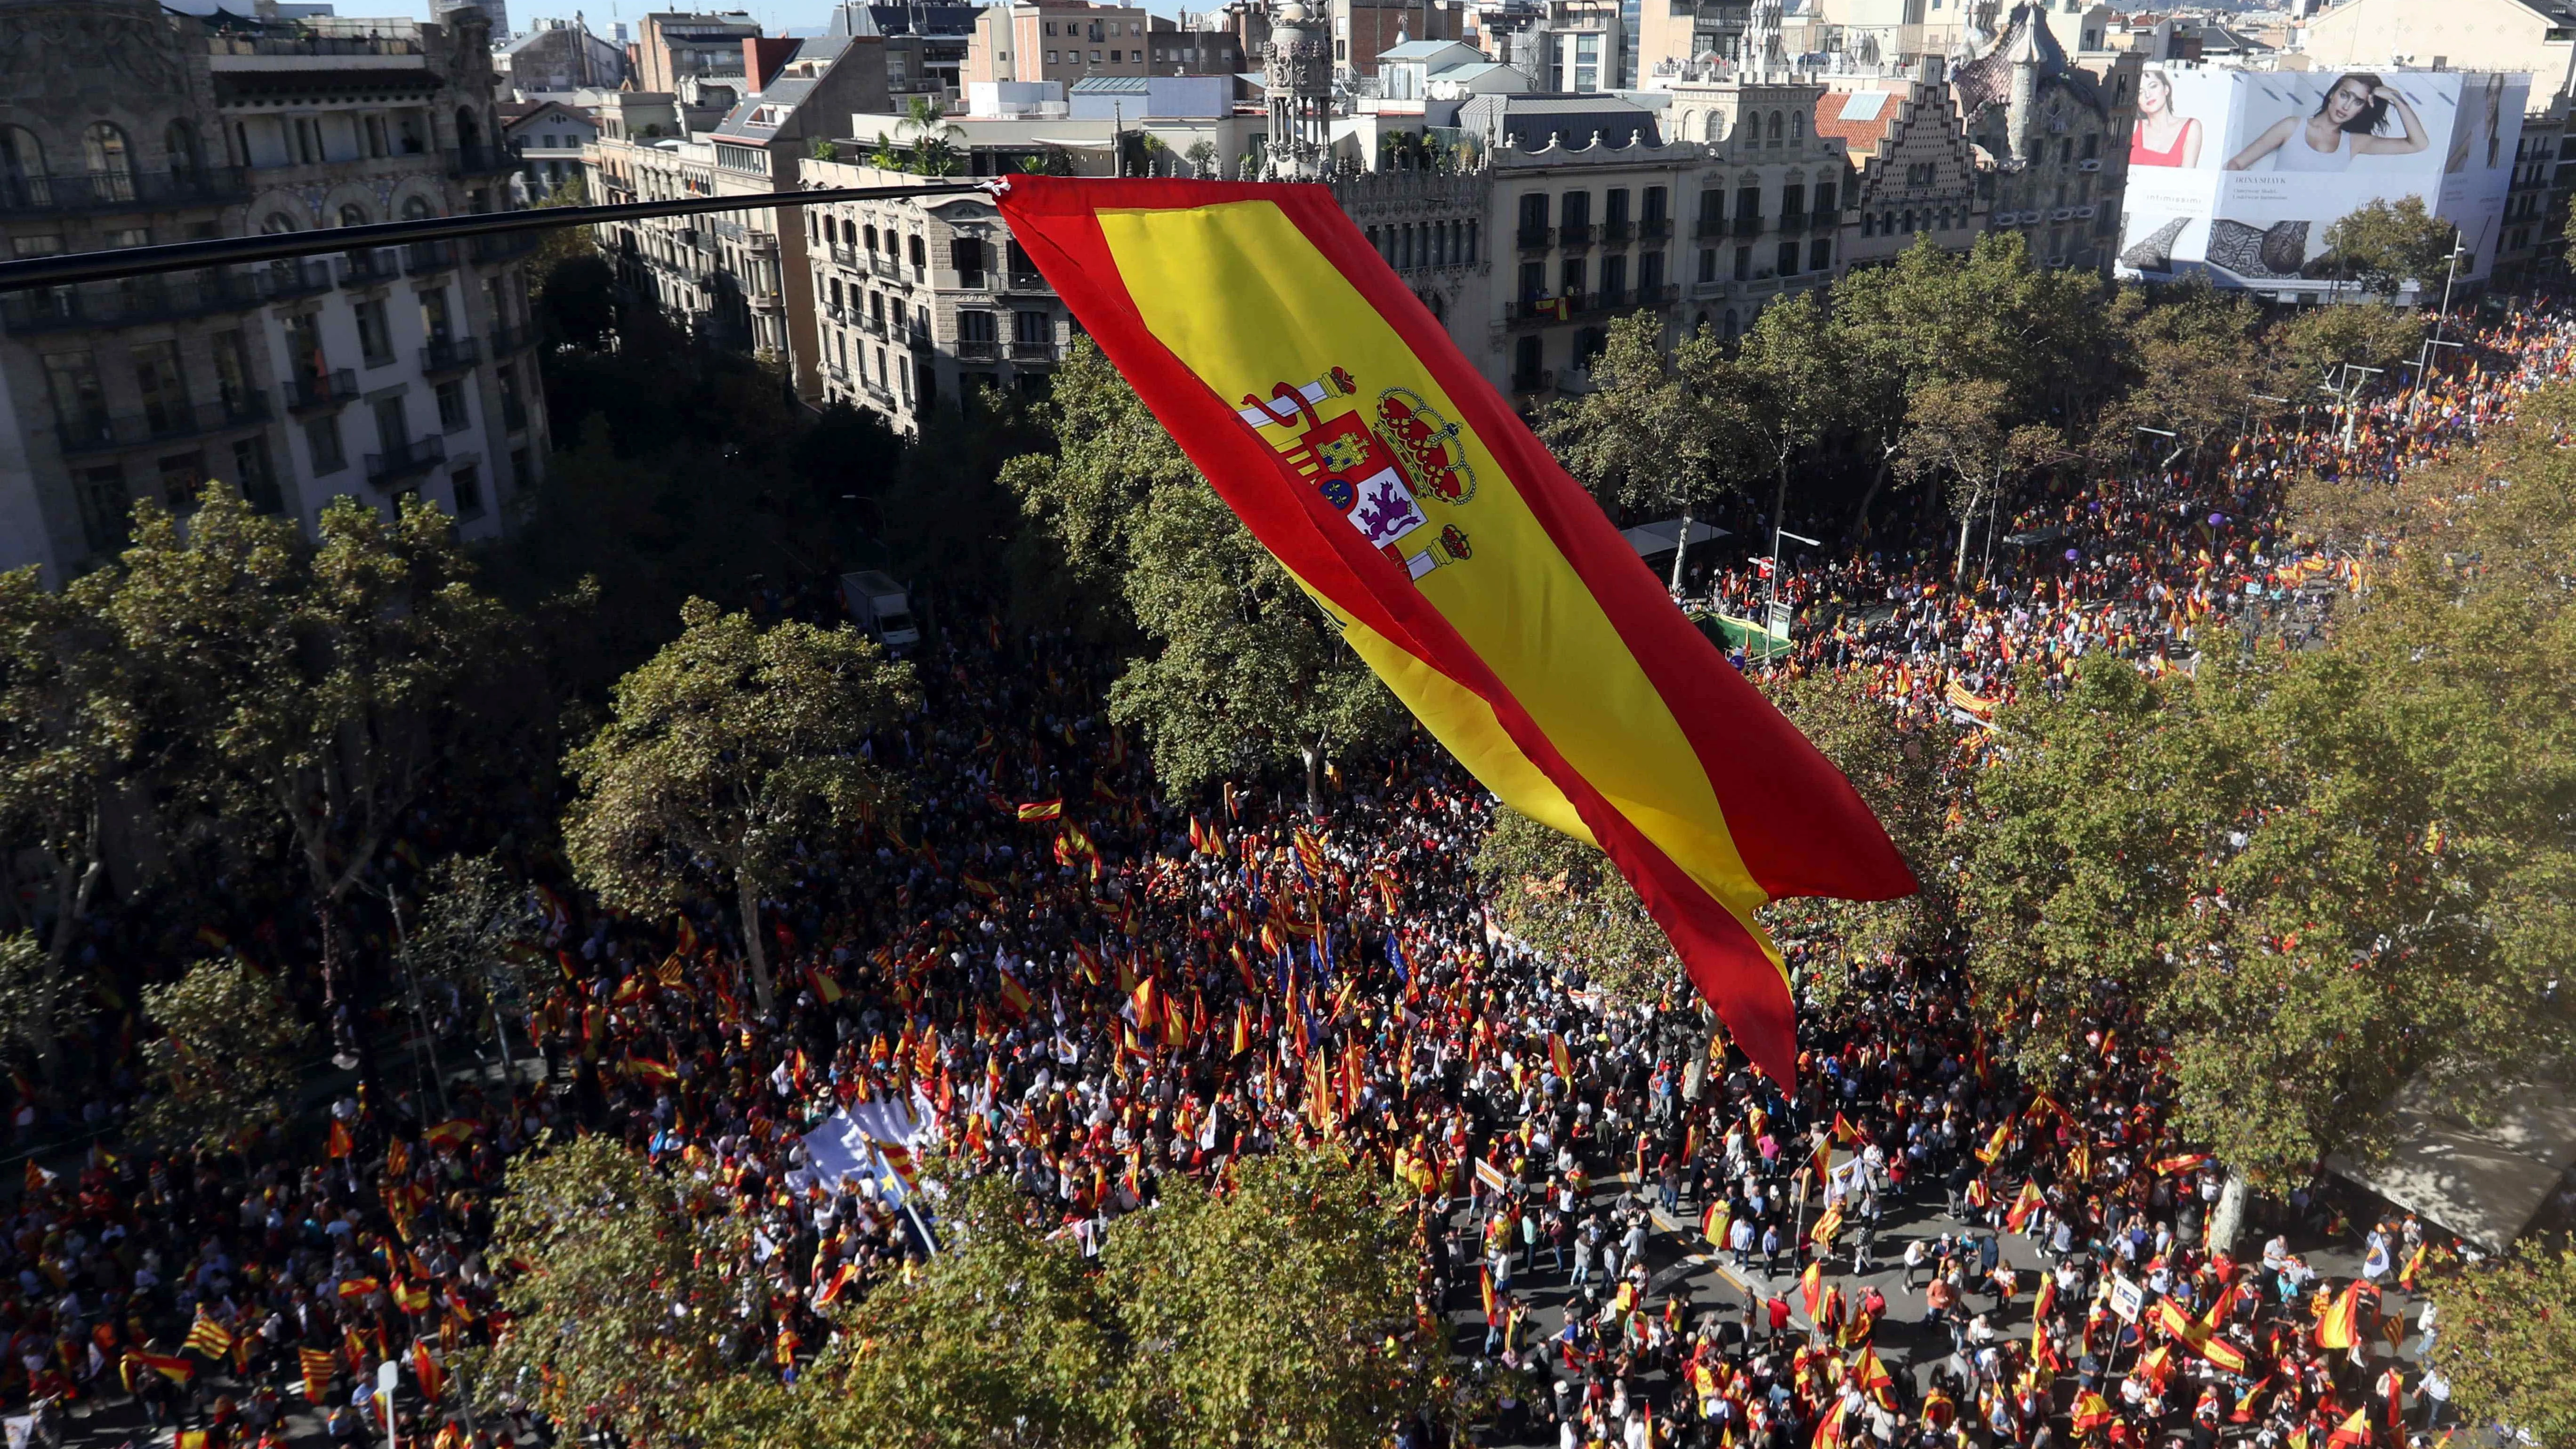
pixel 2346 124
pixel 2162 138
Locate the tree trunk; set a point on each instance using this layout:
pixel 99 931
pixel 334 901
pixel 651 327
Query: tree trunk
pixel 1869 495
pixel 1681 548
pixel 1314 757
pixel 2228 1219
pixel 751 948
pixel 1967 521
pixel 71 900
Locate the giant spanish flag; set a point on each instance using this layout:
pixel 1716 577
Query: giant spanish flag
pixel 1331 412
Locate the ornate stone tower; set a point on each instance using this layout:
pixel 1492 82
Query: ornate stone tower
pixel 1297 72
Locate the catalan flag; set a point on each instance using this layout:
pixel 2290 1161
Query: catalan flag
pixel 318 1365
pixel 1827 1226
pixel 208 1337
pixel 1488 590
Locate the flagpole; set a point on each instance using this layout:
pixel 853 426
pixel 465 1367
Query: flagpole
pixel 929 1243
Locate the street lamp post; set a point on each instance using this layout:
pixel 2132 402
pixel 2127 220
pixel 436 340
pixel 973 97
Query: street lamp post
pixel 1771 598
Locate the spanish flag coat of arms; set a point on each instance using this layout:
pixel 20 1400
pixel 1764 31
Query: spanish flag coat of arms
pixel 1333 415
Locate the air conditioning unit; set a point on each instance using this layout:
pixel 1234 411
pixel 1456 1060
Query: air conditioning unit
pixel 2089 163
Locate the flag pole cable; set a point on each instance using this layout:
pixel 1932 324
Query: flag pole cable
pixel 70 267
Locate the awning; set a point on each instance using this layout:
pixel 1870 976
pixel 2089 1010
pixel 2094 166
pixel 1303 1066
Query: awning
pixel 1650 539
pixel 2484 1183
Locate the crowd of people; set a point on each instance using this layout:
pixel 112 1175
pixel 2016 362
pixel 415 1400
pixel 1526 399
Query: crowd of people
pixel 1052 972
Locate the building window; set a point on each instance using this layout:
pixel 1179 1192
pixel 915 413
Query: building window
pixel 1650 277
pixel 1820 254
pixel 1743 263
pixel 375 339
pixel 1788 259
pixel 104 508
pixel 1708 264
pixel 322 440
pixel 451 407
pixel 1571 277
pixel 966 255
pixel 182 476
pixel 465 482
pixel 254 475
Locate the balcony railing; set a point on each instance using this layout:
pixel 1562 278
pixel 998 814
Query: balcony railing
pixel 1791 221
pixel 1033 351
pixel 309 392
pixel 844 255
pixel 1654 228
pixel 1709 226
pixel 430 256
pixel 407 461
pixel 984 350
pixel 122 190
pixel 483 160
pixel 885 266
pixel 99 432
pixel 308 277
pixel 130 302
pixel 501 246
pixel 1539 381
pixel 1614 232
pixel 1575 234
pixel 873 326
pixel 367 268
pixel 506 340
pixel 452 354
pixel 1025 282
pixel 1536 238
pixel 1748 223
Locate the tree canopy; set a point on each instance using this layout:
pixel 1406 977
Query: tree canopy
pixel 720 751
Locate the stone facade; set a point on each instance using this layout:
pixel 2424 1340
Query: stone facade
pixel 373 374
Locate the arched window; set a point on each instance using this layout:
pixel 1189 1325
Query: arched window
pixel 180 140
pixel 415 208
pixel 469 128
pixel 22 168
pixel 111 161
pixel 1713 126
pixel 1797 125
pixel 278 223
pixel 1732 327
pixel 1775 128
pixel 352 214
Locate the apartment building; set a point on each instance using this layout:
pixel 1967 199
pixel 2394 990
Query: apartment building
pixel 2054 139
pixel 672 46
pixel 373 374
pixel 740 279
pixel 549 138
pixel 1363 30
pixel 1914 174
pixel 923 299
pixel 1060 40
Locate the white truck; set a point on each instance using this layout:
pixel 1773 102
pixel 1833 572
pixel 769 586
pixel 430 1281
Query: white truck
pixel 880 606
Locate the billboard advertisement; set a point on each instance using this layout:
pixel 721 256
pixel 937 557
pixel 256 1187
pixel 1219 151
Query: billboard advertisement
pixel 2237 176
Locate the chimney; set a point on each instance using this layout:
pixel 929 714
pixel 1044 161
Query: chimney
pixel 763 56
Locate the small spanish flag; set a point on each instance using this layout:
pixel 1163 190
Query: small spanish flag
pixel 454 1132
pixel 425 1371
pixel 1015 997
pixel 2030 1201
pixel 1994 1147
pixel 1487 589
pixel 171 1366
pixel 341 1144
pixel 2354 1431
pixel 1032 811
pixel 847 1274
pixel 1560 1057
pixel 2340 1326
